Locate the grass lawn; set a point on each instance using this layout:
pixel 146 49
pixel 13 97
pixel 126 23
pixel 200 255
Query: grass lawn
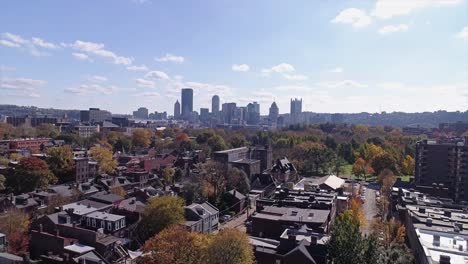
pixel 347 171
pixel 406 178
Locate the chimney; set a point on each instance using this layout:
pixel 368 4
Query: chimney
pixel 313 240
pixel 444 259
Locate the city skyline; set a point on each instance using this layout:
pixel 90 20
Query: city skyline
pixel 349 56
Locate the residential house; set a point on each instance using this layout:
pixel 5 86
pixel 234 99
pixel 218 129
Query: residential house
pixel 202 218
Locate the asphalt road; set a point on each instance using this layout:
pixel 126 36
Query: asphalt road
pixel 369 207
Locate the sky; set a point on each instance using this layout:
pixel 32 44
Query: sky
pixel 338 56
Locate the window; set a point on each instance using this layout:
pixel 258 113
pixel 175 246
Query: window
pixel 122 222
pixel 93 221
pixel 109 225
pixel 88 221
pixel 103 224
pixel 117 225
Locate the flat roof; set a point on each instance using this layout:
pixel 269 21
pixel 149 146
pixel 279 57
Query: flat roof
pixel 79 248
pixel 105 216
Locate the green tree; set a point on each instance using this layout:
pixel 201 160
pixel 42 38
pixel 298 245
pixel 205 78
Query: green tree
pixel 47 130
pixel 103 156
pixel 238 140
pixel 372 253
pixel 345 245
pixel 30 174
pixel 61 163
pixel 230 246
pixel 216 143
pixel 160 213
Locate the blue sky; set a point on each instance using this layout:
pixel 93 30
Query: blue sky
pixel 339 56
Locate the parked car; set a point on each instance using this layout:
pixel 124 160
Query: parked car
pixel 226 218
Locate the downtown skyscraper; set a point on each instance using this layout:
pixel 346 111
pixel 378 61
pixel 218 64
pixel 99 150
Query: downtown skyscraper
pixel 187 102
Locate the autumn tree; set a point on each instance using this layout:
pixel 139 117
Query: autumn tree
pixel 168 175
pixel 16 156
pixel 230 246
pixel 118 190
pixel 16 221
pixel 2 182
pixel 141 138
pixel 407 165
pixel 313 158
pixel 18 243
pixel 103 156
pixel 190 247
pixel 384 161
pixel 30 174
pixel 160 213
pixel 361 168
pixel 61 163
pixel 214 178
pixel 237 179
pixel 357 212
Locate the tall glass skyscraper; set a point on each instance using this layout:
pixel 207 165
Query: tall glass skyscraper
pixel 187 102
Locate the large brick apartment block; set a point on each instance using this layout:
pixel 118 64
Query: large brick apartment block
pixel 31 144
pixel 443 164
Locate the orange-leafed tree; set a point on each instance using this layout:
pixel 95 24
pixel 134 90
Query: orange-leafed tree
pixel 357 212
pixel 175 245
pixel 230 246
pixel 141 138
pixel 30 174
pixel 18 243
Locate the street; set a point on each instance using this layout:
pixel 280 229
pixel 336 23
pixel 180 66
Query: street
pixel 369 207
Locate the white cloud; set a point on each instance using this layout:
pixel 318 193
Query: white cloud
pixel 97 79
pixel 81 56
pixel 9 44
pixel 15 38
pixel 389 29
pixel 341 84
pixel 240 67
pixel 16 41
pixel 22 84
pixel 137 68
pixel 97 49
pixel 145 83
pixel 157 75
pixel 355 17
pixel 44 44
pixel 337 70
pixel 24 95
pixel 295 77
pixel 171 58
pixel 91 88
pixel 385 9
pixel 280 68
pixel 463 34
pixel 139 1
pixel 147 94
pixel 290 88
